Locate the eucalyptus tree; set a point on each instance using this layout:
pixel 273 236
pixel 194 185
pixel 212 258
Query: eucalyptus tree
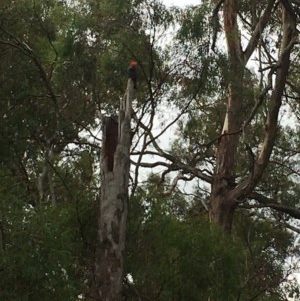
pixel 237 105
pixel 227 193
pixel 63 67
pixel 232 83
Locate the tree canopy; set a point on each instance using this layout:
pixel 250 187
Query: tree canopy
pixel 214 179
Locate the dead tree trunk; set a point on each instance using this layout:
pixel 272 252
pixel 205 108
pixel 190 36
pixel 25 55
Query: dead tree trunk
pixel 113 201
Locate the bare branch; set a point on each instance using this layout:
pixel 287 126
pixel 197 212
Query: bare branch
pixel 261 98
pixel 150 165
pixel 245 187
pixel 266 202
pixel 174 184
pixel 260 26
pixel 293 228
pixel 216 23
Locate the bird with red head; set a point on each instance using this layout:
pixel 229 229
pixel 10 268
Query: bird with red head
pixel 133 64
pixel 132 73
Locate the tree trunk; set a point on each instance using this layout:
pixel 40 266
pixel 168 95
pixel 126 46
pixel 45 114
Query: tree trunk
pixel 222 207
pixel 113 202
pixel 45 181
pixel 225 192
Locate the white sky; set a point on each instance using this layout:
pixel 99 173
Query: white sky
pixel 180 3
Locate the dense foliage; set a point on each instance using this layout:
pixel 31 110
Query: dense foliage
pixel 63 67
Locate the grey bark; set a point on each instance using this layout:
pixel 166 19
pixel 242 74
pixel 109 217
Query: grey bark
pixel 45 181
pixel 114 206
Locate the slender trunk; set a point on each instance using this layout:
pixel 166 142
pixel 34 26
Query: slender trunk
pixel 2 237
pixel 45 181
pixel 113 202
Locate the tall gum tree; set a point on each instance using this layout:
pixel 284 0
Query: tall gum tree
pixel 208 81
pixel 226 193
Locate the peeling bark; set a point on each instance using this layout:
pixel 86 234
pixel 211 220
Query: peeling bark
pixel 226 194
pixel 222 207
pixel 113 203
pixel 247 185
